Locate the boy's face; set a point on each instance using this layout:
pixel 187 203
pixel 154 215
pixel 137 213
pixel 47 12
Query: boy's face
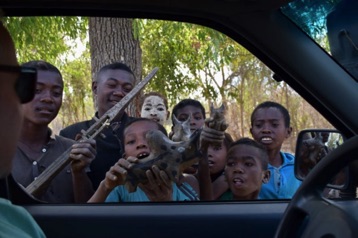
pixel 269 129
pixel 111 87
pixel 135 143
pixel 244 172
pixel 47 101
pixel 217 158
pixel 196 116
pixel 154 109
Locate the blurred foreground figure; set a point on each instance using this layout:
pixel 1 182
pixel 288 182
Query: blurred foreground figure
pixel 15 221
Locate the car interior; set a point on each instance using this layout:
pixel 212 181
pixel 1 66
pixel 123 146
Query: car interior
pixel 311 46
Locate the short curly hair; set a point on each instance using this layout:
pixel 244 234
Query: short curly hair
pixel 187 102
pixel 250 142
pixel 269 104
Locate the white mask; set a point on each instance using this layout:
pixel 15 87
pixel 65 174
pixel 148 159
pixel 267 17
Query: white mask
pixel 154 108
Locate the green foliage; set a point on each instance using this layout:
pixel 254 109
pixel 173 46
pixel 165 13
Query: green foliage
pixel 45 37
pixel 198 62
pixel 78 102
pixel 57 40
pixel 190 58
pixel 194 61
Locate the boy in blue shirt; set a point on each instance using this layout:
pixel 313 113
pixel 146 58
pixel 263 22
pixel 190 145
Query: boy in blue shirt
pixel 270 126
pixel 158 188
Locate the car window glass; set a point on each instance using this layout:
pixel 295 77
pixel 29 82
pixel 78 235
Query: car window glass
pixel 194 62
pixel 333 25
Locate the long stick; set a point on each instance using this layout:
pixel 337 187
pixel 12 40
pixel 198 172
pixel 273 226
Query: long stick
pixel 40 184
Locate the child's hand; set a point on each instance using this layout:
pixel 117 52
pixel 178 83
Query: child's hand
pixel 159 186
pixel 211 136
pixel 82 154
pixel 117 174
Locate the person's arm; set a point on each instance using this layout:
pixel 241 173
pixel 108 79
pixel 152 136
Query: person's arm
pixel 206 190
pixel 207 136
pixel 115 176
pixel 82 187
pixel 101 193
pixel 159 186
pixel 82 154
pixel 220 186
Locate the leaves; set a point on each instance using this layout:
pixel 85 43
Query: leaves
pixel 194 61
pixel 57 40
pixel 45 37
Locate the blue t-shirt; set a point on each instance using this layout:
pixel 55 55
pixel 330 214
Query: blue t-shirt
pixel 283 183
pixel 120 194
pixel 15 221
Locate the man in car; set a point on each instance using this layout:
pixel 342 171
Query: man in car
pixel 15 221
pixel 112 83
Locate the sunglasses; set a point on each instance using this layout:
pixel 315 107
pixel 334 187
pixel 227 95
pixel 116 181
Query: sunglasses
pixel 25 85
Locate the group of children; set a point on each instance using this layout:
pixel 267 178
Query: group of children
pixel 247 168
pixel 244 169
pixel 241 170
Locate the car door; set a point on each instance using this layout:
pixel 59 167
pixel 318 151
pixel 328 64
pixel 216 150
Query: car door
pixel 270 36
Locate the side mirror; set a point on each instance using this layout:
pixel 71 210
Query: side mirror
pixel 312 146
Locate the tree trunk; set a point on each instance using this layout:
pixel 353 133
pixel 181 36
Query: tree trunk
pixel 112 40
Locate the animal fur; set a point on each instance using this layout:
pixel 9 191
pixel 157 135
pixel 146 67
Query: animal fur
pixel 172 157
pixel 215 125
pixel 217 118
pixel 181 129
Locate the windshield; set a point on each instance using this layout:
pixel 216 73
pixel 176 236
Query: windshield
pixel 333 25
